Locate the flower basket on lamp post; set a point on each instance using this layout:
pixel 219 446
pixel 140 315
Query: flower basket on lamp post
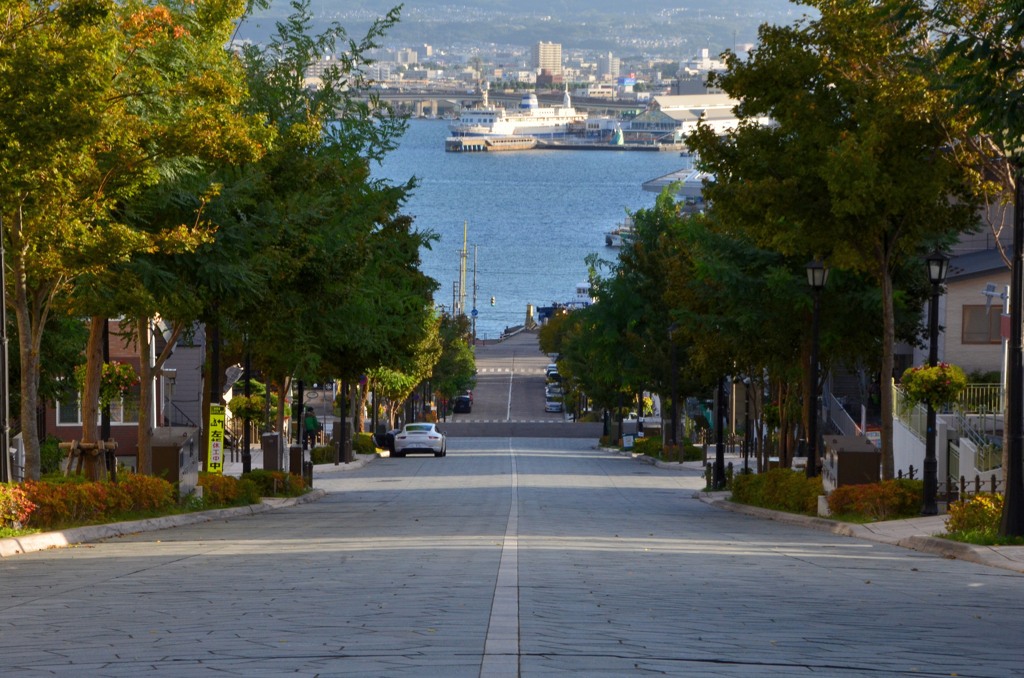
pixel 935 386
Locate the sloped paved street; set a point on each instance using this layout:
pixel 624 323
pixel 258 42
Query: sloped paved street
pixel 508 557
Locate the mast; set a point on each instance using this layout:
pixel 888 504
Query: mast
pixel 462 268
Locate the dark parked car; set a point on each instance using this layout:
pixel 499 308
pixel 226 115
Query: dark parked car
pixel 462 404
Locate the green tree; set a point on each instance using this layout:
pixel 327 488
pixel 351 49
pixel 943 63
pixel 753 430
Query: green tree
pixel 337 266
pixel 455 370
pixel 983 40
pixel 854 169
pixel 57 68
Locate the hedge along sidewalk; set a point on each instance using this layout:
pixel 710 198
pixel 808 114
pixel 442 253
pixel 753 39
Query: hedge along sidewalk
pixel 917 534
pixel 81 535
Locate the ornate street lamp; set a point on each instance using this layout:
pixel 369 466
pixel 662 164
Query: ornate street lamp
pixel 817 276
pixel 938 265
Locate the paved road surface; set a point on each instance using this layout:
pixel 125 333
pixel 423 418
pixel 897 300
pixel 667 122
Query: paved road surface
pixel 508 400
pixel 509 557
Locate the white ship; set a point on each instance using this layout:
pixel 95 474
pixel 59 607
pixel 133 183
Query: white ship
pixel 529 119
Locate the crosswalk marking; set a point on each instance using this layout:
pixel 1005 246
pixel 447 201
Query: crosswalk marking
pixel 505 421
pixel 506 370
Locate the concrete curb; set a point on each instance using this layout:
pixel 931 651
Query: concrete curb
pixel 81 535
pixel 982 555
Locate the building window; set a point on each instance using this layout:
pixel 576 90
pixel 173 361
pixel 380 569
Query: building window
pixel 123 411
pixel 981 324
pixel 69 413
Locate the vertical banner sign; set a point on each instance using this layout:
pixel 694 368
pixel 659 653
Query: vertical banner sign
pixel 215 464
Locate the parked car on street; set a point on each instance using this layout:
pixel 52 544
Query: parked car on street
pixel 462 404
pixel 553 405
pixel 420 437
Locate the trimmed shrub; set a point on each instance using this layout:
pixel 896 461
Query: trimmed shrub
pixel 218 489
pixel 276 483
pixel 779 489
pixel 363 443
pixel 649 446
pixel 322 454
pixel 147 493
pixel 78 502
pixel 978 515
pixel 887 500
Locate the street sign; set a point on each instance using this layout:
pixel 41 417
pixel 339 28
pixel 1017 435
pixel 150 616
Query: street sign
pixel 473 313
pixel 215 464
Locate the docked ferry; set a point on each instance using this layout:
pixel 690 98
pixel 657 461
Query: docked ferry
pixel 530 119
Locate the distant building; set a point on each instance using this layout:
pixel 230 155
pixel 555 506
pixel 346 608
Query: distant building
pixel 547 56
pixel 692 77
pixel 406 56
pixel 671 118
pixel 548 79
pixel 608 67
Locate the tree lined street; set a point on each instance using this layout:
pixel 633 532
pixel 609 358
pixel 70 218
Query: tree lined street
pixel 508 557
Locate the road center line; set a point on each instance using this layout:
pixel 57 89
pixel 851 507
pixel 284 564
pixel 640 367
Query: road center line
pixel 501 647
pixel 511 375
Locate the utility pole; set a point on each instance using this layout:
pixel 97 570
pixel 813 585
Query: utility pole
pixel 474 293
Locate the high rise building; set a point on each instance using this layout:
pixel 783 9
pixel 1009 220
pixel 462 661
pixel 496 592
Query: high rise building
pixel 607 67
pixel 548 56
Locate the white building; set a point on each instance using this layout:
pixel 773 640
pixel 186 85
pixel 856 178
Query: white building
pixel 547 56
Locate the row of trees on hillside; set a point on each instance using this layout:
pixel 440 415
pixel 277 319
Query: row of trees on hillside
pixel 871 162
pixel 147 171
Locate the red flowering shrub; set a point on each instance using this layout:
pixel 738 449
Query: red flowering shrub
pixel 886 500
pixel 77 502
pixel 15 507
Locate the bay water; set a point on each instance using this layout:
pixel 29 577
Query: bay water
pixel 531 217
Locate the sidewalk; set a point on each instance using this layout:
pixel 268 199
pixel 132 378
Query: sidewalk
pixel 918 534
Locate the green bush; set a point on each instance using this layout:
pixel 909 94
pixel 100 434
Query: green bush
pixel 649 446
pixel 50 456
pixel 276 483
pixel 322 454
pixel 887 500
pixel 363 443
pixel 779 489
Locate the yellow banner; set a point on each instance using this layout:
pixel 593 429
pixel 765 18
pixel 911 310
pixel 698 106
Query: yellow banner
pixel 215 463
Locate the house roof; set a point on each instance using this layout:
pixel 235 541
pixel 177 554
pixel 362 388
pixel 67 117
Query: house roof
pixel 976 264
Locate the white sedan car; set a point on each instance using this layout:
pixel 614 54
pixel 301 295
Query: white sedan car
pixel 420 437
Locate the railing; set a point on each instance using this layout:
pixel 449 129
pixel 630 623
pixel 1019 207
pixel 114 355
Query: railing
pixel 913 415
pixel 981 398
pixel 989 458
pixel 180 418
pixel 967 430
pixel 837 415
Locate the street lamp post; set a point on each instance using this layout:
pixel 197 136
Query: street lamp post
pixel 817 276
pixel 938 264
pixel 721 421
pixel 674 377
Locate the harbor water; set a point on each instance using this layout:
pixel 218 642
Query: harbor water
pixel 532 216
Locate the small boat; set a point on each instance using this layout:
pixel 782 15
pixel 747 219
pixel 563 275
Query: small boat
pixel 614 237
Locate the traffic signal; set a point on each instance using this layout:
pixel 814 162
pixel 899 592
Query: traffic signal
pixel 492 301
